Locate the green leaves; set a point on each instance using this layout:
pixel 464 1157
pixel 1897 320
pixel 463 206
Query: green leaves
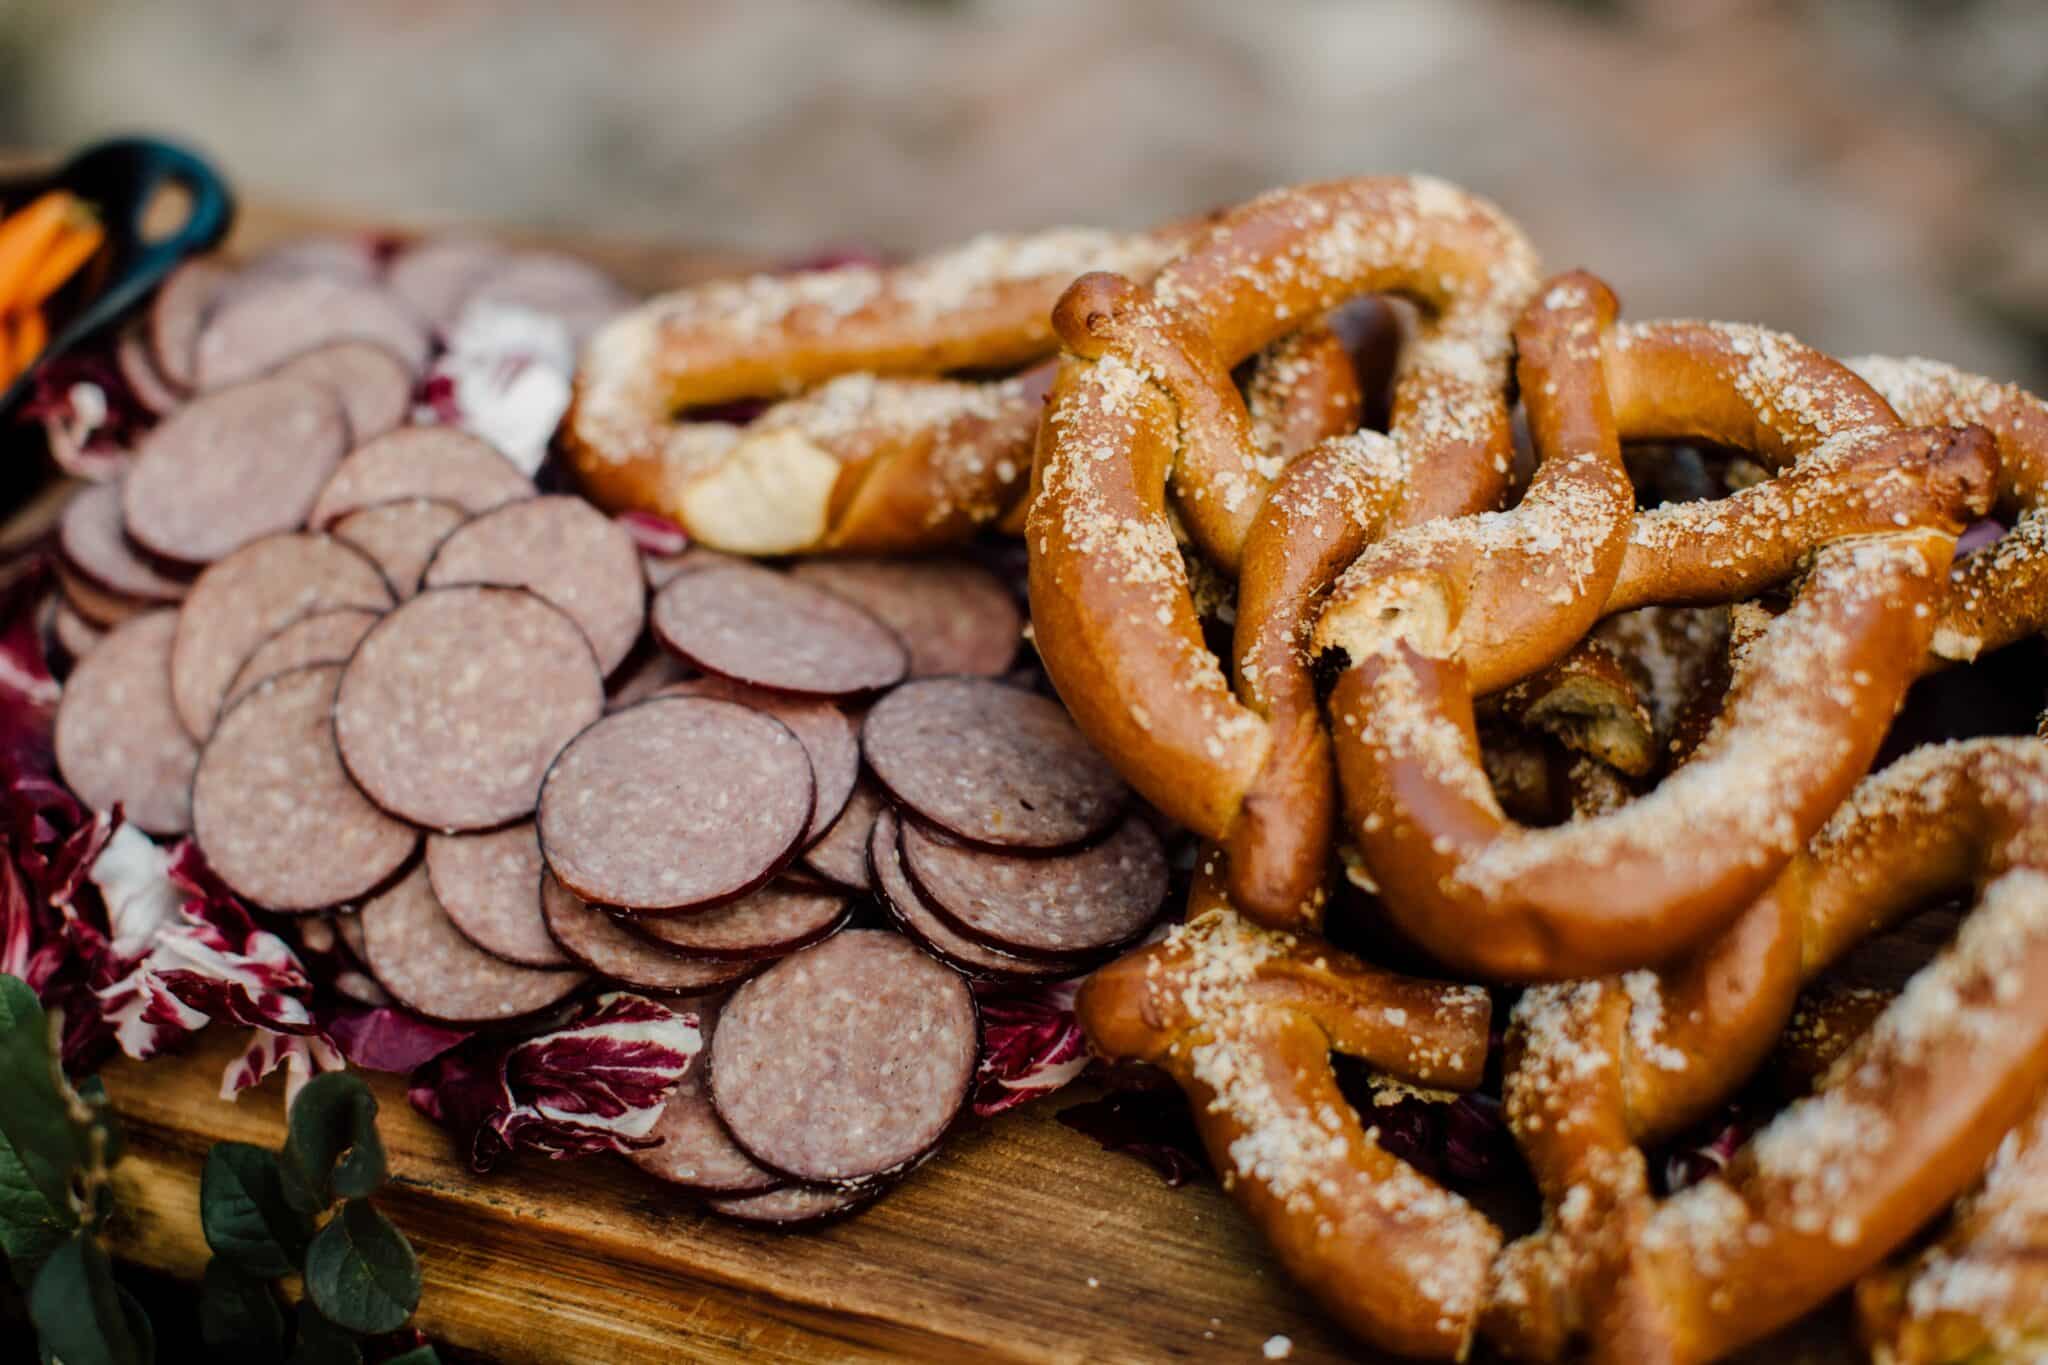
pixel 238 1315
pixel 81 1316
pixel 361 1272
pixel 39 1145
pixel 249 1218
pixel 333 1147
pixel 323 1343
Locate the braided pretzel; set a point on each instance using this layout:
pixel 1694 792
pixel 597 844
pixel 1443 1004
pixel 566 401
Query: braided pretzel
pixel 2000 594
pixel 1143 402
pixel 1244 1019
pixel 1981 1293
pixel 1598 1067
pixel 1662 873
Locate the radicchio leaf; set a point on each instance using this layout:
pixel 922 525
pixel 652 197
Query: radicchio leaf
pixel 381 1038
pixel 596 1083
pixel 90 414
pixel 653 534
pixel 1707 1148
pixel 1031 1045
pixel 303 1057
pixel 505 378
pixel 1149 1122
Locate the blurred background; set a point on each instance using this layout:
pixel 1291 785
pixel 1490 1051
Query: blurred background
pixel 1865 173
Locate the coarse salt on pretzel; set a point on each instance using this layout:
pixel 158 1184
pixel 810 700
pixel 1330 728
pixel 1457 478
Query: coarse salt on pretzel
pixel 1598 1067
pixel 1143 424
pixel 1874 508
pixel 872 341
pixel 2000 593
pixel 1244 1019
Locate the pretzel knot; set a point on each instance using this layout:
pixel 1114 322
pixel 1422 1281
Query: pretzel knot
pixel 869 442
pixel 1425 620
pixel 1901 1123
pixel 1144 430
pixel 1244 1019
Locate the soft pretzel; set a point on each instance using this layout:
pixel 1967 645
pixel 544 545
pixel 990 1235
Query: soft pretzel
pixel 1663 873
pixel 1999 594
pixel 1143 403
pixel 1597 1068
pixel 1981 1292
pixel 1244 1019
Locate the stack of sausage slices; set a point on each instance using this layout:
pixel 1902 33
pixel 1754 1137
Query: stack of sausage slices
pixel 517 752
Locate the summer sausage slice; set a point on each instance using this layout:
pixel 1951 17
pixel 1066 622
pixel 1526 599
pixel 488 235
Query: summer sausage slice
pixel 401 536
pixel 231 467
pixel 75 635
pixel 94 543
pixel 182 304
pixel 420 462
pixel 592 937
pixel 263 324
pixel 414 951
pixel 275 815
pixel 102 608
pixel 436 277
pixel 675 804
pixel 138 368
pixel 927 929
pixel 692 1148
pixel 118 739
pixel 565 550
pixel 826 732
pixel 1065 905
pixel 372 383
pixel 321 637
pixel 954 616
pixel 455 703
pixel 841 857
pixel 846 1062
pixel 240 602
pixel 991 764
pixel 792 1206
pixel 775 921
pixel 490 886
pixel 763 628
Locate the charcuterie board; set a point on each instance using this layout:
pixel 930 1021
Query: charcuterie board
pixel 1021 1240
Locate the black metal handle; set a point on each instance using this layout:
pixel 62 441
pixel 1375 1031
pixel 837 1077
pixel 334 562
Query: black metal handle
pixel 119 178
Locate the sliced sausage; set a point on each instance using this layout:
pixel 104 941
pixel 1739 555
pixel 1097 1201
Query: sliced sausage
pixel 102 608
pixel 675 804
pixel 490 886
pixel 138 370
pixel 763 628
pixel 643 677
pixel 420 462
pixel 692 1149
pixel 265 323
pixel 841 856
pixel 231 467
pixel 401 536
pixel 1064 905
pixel 372 383
pixel 662 569
pixel 436 277
pixel 320 637
pixel 275 815
pixel 94 543
pixel 565 550
pixel 414 951
pixel 991 764
pixel 847 1062
pixel 180 309
pixel 792 1206
pixel 118 739
pixel 575 292
pixel 455 703
pixel 240 602
pixel 927 929
pixel 75 635
pixel 826 732
pixel 592 937
pixel 775 921
pixel 954 616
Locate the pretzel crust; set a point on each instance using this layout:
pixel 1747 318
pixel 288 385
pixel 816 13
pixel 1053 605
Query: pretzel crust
pixel 1244 1019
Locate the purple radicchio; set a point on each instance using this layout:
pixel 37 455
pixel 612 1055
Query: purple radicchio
pixel 652 533
pixel 594 1083
pixel 89 413
pixel 1031 1045
pixel 505 378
